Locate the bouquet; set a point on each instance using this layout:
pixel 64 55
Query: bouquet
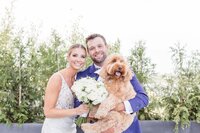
pixel 89 91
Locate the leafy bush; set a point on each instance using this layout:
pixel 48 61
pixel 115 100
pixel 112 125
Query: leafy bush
pixel 182 96
pixel 174 96
pixel 144 70
pixel 24 72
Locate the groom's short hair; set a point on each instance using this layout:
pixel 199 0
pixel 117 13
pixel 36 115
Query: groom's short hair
pixel 92 36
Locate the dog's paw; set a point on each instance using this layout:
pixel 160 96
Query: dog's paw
pixel 100 114
pixel 85 127
pixel 90 128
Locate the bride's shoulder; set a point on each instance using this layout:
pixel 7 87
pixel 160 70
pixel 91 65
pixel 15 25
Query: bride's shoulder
pixel 55 77
pixel 54 82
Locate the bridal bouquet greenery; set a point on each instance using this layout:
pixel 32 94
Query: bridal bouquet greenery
pixel 89 91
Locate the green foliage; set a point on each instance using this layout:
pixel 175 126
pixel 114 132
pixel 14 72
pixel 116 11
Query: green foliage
pixel 183 96
pixel 144 70
pixel 173 97
pixel 115 47
pixel 7 69
pixel 155 110
pixel 76 34
pixel 141 64
pixel 24 71
pixel 16 77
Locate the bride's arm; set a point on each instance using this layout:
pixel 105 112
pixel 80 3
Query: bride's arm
pixel 51 96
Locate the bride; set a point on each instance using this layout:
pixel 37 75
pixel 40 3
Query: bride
pixel 59 101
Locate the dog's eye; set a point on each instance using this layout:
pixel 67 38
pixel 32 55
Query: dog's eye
pixel 114 60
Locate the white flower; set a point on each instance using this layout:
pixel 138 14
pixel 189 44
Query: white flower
pixel 88 90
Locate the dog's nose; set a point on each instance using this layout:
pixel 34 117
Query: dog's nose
pixel 120 68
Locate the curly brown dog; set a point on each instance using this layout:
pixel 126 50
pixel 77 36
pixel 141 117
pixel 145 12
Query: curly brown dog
pixel 116 76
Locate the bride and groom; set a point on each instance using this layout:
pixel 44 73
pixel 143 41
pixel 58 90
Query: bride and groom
pixel 60 106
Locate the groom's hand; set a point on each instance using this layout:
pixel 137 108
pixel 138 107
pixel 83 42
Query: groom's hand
pixel 119 107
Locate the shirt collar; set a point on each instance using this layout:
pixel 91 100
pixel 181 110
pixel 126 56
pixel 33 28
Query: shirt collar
pixel 97 69
pixel 93 68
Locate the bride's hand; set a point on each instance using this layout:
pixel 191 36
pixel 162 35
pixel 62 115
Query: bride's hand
pixel 83 108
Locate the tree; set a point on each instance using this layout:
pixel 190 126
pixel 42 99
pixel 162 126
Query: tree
pixel 144 70
pixel 182 96
pixel 115 47
pixel 141 65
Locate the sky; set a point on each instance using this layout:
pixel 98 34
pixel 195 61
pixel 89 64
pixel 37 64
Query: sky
pixel 159 23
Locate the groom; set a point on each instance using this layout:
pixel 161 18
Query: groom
pixel 98 50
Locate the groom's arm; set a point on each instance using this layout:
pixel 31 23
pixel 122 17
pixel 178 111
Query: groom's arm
pixel 140 101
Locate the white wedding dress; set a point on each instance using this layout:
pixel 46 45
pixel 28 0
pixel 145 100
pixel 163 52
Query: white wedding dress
pixel 65 124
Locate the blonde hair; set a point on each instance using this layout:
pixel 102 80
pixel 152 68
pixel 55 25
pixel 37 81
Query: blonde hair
pixel 75 46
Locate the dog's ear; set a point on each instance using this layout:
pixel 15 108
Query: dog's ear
pixel 129 75
pixel 103 73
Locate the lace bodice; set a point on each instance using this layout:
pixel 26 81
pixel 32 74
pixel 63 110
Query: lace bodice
pixel 64 124
pixel 65 98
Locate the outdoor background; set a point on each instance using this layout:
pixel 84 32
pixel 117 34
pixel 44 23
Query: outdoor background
pixel 159 38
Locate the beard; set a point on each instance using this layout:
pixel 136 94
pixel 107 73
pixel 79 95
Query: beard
pixel 99 61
